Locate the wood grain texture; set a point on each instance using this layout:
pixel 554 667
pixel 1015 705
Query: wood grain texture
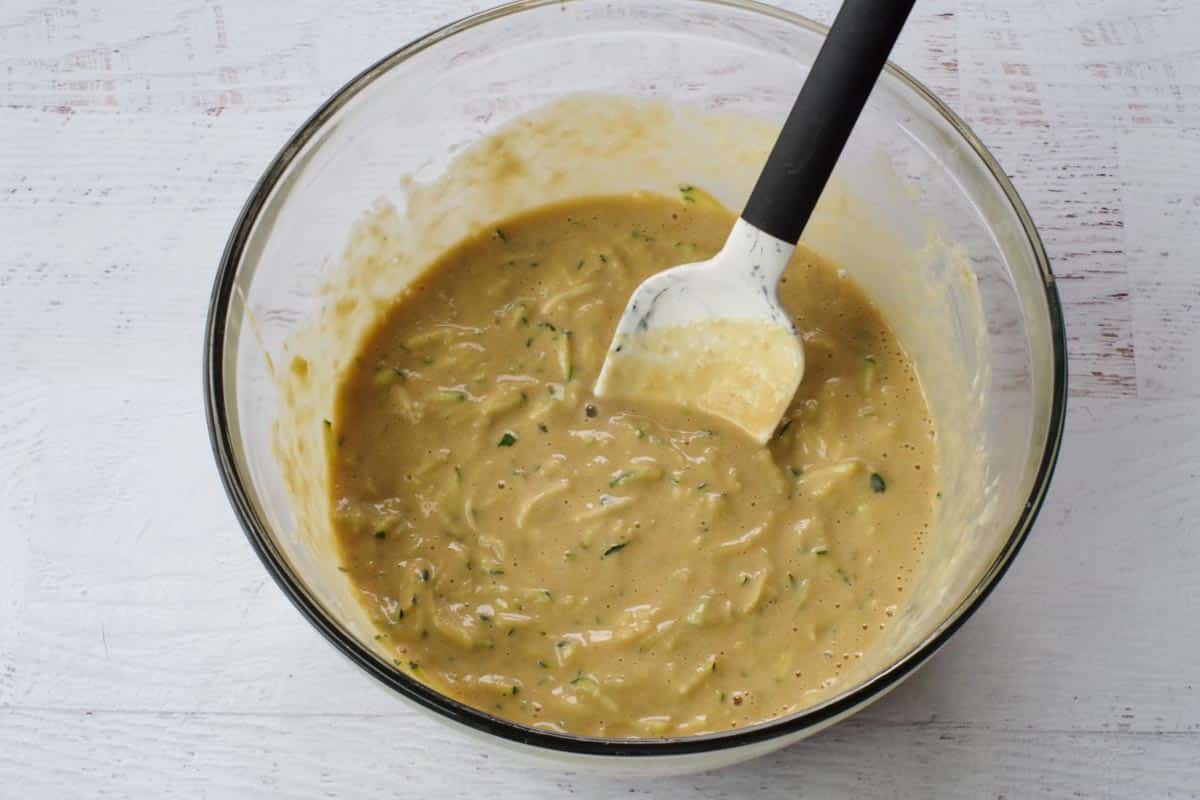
pixel 237 755
pixel 144 652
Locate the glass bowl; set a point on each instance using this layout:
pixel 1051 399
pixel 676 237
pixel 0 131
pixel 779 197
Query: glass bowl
pixel 1001 327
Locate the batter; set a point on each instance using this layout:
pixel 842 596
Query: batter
pixel 612 567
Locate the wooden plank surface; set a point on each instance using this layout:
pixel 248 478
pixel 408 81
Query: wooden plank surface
pixel 144 652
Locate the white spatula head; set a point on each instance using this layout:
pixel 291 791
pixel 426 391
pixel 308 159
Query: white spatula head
pixel 712 336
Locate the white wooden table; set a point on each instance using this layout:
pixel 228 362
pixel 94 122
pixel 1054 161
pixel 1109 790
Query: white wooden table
pixel 143 650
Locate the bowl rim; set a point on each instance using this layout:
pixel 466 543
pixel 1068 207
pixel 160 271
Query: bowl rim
pixel 277 565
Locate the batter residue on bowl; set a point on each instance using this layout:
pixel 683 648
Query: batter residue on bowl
pixel 613 568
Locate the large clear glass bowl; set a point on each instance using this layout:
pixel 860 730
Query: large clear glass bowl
pixel 408 113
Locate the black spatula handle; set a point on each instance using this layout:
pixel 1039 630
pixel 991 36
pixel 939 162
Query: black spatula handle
pixel 820 122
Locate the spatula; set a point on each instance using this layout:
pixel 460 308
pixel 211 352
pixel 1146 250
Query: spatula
pixel 712 335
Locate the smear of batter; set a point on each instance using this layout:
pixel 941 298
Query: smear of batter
pixel 729 368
